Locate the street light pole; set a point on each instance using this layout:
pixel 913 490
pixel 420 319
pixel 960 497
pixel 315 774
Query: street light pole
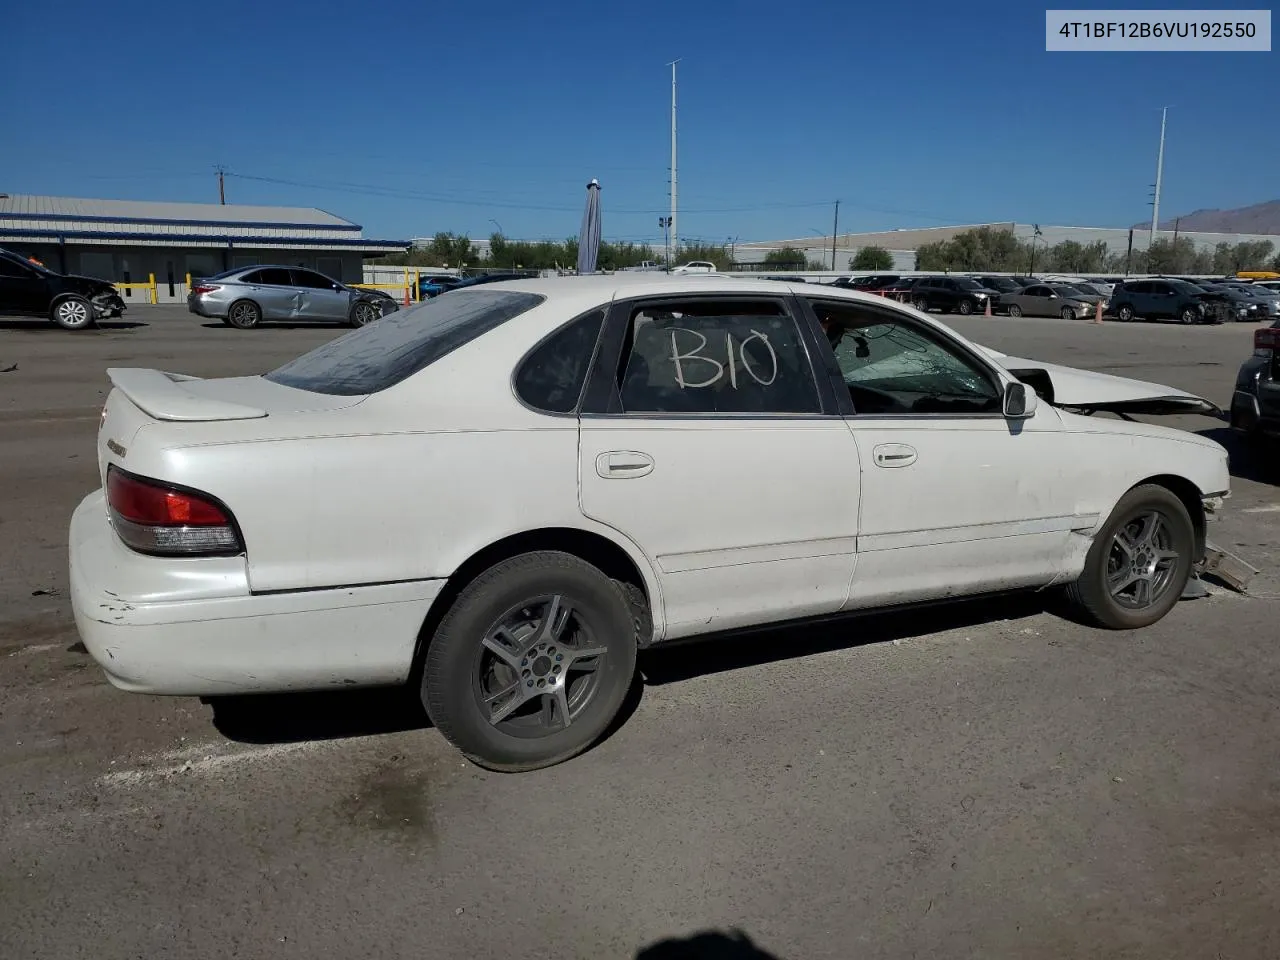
pixel 1155 206
pixel 835 227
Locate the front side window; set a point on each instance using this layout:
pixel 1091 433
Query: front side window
pixel 713 357
pixel 552 376
pixel 389 350
pixel 8 268
pixel 313 281
pixel 894 366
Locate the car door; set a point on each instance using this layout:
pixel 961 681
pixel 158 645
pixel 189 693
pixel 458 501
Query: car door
pixel 708 442
pixel 955 498
pixel 1035 301
pixel 1163 300
pixel 273 290
pixel 318 299
pixel 23 290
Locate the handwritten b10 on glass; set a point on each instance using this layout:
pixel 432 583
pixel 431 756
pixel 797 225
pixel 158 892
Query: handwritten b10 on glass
pixel 1168 31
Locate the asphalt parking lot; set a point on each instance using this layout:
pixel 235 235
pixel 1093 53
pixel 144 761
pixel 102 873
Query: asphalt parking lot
pixel 984 780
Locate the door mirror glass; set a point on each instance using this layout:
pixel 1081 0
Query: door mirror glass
pixel 1019 402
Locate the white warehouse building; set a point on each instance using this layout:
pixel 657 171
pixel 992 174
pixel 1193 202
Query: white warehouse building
pixel 902 244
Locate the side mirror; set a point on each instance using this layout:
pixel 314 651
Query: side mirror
pixel 1019 402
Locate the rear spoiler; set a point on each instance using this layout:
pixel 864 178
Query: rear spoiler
pixel 162 396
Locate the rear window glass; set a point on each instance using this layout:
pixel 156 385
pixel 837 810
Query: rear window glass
pixel 389 350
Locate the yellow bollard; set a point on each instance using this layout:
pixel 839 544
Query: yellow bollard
pixel 151 279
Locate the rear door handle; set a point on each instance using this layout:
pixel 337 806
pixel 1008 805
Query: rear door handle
pixel 623 464
pixel 893 455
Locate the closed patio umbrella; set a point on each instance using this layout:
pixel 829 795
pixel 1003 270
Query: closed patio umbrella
pixel 589 237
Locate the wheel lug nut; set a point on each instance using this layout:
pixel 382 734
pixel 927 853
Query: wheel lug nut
pixel 529 683
pixel 559 656
pixel 542 683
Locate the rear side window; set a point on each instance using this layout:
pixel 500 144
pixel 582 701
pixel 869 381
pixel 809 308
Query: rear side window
pixel 552 376
pixel 717 357
pixel 389 350
pixel 274 276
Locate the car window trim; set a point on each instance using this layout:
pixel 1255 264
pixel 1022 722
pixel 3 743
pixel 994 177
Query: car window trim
pixel 573 414
pixel 985 365
pixel 603 397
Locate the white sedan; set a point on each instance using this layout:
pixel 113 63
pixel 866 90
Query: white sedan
pixel 502 494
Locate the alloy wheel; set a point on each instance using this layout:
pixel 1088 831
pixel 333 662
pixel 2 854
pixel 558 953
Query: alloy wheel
pixel 1142 562
pixel 73 313
pixel 537 668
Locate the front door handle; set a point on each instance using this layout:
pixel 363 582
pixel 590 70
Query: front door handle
pixel 623 464
pixel 893 455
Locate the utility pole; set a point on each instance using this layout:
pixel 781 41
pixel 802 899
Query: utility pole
pixel 835 227
pixel 674 180
pixel 1155 206
pixel 222 191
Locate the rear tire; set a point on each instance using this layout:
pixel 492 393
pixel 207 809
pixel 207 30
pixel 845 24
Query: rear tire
pixel 244 315
pixel 1131 550
pixel 72 313
pixel 492 681
pixel 966 307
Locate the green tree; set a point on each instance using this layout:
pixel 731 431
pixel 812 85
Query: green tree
pixel 786 257
pixel 871 258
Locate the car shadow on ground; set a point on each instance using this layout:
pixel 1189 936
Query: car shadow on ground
pixel 707 945
pixel 41 326
pixel 1249 460
pixel 338 714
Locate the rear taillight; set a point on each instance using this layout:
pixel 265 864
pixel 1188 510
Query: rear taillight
pixel 1266 340
pixel 157 518
pixel 205 288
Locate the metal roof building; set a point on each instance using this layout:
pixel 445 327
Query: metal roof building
pixel 128 241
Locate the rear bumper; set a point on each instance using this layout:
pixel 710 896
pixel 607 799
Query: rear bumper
pixel 193 627
pixel 202 309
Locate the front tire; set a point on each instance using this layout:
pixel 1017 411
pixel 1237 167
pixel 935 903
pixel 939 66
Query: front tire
pixel 1068 313
pixel 1139 562
pixel 244 315
pixel 1015 310
pixel 364 313
pixel 532 662
pixel 966 307
pixel 920 305
pixel 72 313
pixel 1125 313
pixel 1188 315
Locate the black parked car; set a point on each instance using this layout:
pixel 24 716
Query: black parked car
pixel 1255 402
pixel 28 289
pixel 959 294
pixel 1000 284
pixel 1166 300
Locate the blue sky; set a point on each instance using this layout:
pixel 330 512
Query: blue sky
pixel 414 118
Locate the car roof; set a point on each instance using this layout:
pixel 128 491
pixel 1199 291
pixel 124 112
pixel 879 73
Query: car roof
pixel 592 290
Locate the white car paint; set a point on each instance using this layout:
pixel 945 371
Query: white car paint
pixel 356 510
pixel 695 266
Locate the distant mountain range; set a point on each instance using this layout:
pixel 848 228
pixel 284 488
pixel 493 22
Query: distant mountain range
pixel 1259 218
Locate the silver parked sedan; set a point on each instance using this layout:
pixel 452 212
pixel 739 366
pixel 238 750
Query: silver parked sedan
pixel 246 296
pixel 1049 300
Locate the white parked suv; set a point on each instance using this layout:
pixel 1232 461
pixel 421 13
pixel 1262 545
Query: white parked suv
pixel 695 266
pixel 500 495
